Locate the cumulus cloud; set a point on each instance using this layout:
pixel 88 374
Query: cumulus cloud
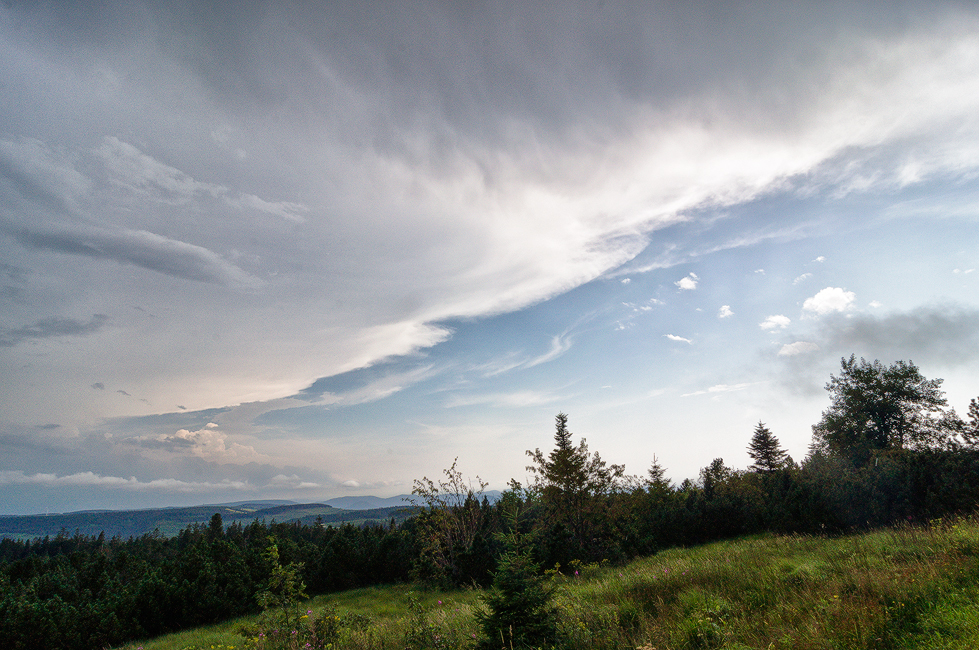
pixel 689 283
pixel 725 312
pixel 799 347
pixel 777 322
pixel 802 278
pixel 830 300
pixel 678 339
pixel 208 443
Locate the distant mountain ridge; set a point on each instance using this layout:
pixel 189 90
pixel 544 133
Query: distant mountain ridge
pixel 369 502
pixel 170 521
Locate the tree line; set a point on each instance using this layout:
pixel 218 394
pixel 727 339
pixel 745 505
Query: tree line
pixel 888 449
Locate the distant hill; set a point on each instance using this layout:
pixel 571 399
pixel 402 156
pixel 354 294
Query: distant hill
pixel 170 521
pixel 368 502
pixel 402 500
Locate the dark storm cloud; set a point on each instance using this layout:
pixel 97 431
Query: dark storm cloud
pixel 945 336
pixel 55 326
pixel 144 249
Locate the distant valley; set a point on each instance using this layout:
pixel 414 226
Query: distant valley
pixel 170 521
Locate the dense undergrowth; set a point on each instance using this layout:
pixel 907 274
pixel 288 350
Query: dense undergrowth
pixel 899 588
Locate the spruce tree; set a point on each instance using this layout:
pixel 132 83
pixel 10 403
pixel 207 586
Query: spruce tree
pixel 765 450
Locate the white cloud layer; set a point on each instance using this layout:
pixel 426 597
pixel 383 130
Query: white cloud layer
pixel 217 214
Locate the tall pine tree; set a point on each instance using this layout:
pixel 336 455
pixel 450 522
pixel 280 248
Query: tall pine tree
pixel 765 450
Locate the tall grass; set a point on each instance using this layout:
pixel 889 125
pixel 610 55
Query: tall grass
pixel 897 588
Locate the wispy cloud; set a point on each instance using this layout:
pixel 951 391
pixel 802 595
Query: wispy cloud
pixel 722 388
pixel 799 347
pixel 91 479
pixel 53 327
pixel 144 249
pixel 678 339
pixel 516 399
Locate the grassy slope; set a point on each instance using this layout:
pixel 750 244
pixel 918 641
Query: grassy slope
pixel 905 588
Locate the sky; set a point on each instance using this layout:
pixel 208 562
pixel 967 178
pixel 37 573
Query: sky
pixel 303 250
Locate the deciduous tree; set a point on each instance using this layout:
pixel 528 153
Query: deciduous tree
pixel 876 407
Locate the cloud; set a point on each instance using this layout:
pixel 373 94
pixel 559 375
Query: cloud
pixel 799 347
pixel 802 278
pixel 625 280
pixel 830 300
pixel 942 336
pixel 777 322
pixel 98 386
pixel 688 283
pixel 948 334
pixel 721 388
pixel 559 345
pixel 208 443
pixel 144 249
pixel 678 339
pixel 515 399
pixel 725 312
pixel 291 482
pixel 42 173
pixel 141 173
pixel 93 480
pixel 820 259
pixel 53 327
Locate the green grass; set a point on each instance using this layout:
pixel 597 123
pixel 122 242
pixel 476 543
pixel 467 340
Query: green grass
pixel 899 589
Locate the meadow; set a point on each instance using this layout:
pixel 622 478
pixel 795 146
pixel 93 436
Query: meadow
pixel 895 588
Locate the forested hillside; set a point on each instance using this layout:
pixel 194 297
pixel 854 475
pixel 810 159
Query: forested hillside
pixel 888 449
pixel 170 521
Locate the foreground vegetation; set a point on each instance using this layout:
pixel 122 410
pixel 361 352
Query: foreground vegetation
pixel 888 451
pixel 907 587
